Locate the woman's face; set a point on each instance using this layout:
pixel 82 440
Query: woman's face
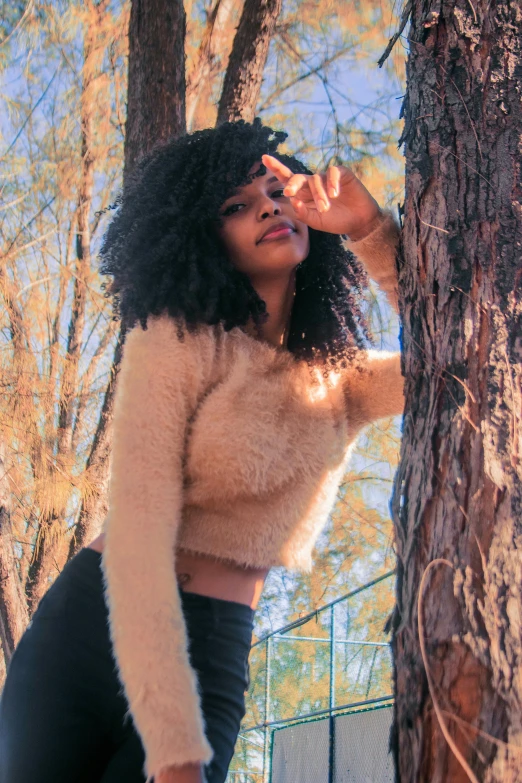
pixel 260 231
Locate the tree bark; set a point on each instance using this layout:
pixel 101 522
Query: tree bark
pixel 244 74
pixel 458 491
pixel 156 83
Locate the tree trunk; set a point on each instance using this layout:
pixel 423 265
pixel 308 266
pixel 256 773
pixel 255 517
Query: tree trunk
pixel 458 493
pixel 247 60
pixel 156 85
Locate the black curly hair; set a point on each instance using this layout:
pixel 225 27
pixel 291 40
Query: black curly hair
pixel 163 252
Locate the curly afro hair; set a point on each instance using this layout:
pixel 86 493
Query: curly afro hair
pixel 163 252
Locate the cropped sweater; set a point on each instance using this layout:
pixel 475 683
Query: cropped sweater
pixel 227 446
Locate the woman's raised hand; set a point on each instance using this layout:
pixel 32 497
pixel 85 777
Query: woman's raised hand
pixel 336 202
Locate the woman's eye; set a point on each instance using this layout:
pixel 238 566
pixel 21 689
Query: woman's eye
pixel 231 209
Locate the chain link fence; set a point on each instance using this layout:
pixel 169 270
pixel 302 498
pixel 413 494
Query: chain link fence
pixel 312 683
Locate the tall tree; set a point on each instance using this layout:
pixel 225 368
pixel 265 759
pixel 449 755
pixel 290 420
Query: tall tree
pixel 458 492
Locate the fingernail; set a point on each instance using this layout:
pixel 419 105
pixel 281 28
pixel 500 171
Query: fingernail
pixel 322 205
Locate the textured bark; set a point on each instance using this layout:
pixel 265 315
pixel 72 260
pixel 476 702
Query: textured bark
pixel 247 60
pixel 458 492
pixel 156 84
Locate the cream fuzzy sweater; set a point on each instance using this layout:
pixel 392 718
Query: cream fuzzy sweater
pixel 223 445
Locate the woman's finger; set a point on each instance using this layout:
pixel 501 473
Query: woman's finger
pixel 300 209
pixel 294 184
pixel 278 168
pixel 333 179
pixel 318 192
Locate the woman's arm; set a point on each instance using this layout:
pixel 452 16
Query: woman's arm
pixel 157 389
pixel 375 391
pixel 377 252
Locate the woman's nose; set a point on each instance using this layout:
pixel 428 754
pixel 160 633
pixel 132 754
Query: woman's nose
pixel 268 208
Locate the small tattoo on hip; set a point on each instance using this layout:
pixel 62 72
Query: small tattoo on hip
pixel 183 580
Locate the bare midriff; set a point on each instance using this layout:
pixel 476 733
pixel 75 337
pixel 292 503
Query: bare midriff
pixel 208 576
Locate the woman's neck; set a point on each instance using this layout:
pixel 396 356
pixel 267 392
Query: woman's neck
pixel 278 294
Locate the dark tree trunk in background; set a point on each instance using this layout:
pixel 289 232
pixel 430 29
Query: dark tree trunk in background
pixel 156 84
pixel 244 74
pixel 458 492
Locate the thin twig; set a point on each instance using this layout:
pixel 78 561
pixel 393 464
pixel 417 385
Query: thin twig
pixel 20 22
pixel 467 112
pixel 438 228
pixel 482 733
pixel 393 40
pixel 40 99
pixel 445 149
pixel 438 711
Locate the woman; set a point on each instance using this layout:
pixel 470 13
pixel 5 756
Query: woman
pixel 243 384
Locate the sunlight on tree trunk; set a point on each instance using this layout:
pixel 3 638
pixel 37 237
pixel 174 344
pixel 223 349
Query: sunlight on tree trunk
pixel 211 60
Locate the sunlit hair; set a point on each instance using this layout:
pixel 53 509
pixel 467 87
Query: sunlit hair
pixel 163 253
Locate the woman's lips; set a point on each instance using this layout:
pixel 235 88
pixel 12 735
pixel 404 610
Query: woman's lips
pixel 279 233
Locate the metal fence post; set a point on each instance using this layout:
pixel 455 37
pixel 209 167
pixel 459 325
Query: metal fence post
pixel 266 743
pixel 331 704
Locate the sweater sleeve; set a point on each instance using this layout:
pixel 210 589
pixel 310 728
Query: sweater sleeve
pixel 377 252
pixel 374 391
pixel 156 391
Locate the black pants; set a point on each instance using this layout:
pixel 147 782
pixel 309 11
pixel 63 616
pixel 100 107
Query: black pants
pixel 62 708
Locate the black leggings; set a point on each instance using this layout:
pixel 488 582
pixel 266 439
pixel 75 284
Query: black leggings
pixel 62 708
